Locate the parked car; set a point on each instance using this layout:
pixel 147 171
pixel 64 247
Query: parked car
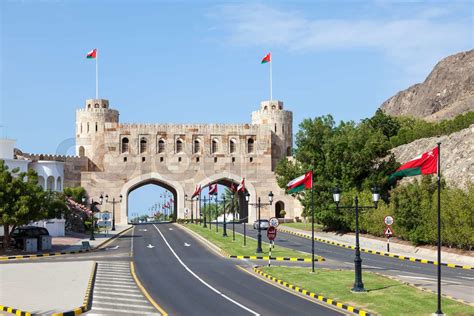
pixel 20 233
pixel 264 224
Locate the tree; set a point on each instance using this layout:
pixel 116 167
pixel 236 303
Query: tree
pixel 76 193
pixel 23 200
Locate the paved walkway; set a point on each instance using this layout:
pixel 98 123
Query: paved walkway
pixel 396 248
pixel 47 287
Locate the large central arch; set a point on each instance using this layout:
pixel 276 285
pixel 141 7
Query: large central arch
pixel 152 178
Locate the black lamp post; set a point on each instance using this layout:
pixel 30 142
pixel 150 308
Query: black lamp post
pixel 190 200
pixel 224 231
pixel 259 204
pixel 358 284
pixel 113 202
pixel 204 213
pixel 233 217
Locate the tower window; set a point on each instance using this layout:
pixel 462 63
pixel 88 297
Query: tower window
pixel 179 145
pixel 215 159
pixel 251 159
pixel 124 159
pixel 161 159
pixel 214 146
pixel 179 159
pixel 96 127
pixel 232 145
pixel 125 145
pixel 233 159
pixel 275 128
pixel 81 128
pixel 197 146
pixel 88 127
pixel 82 151
pixel 250 145
pixel 197 159
pixel 161 146
pixel 143 145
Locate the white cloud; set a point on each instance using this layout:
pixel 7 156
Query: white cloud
pixel 414 42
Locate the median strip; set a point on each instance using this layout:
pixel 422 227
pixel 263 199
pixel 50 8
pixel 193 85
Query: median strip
pixel 316 296
pixel 375 252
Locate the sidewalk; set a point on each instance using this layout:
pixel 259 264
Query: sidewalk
pixel 46 288
pixel 100 238
pixel 395 248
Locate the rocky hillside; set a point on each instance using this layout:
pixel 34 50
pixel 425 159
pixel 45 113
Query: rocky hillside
pixel 446 92
pixel 457 155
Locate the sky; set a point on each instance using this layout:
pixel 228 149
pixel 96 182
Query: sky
pixel 199 61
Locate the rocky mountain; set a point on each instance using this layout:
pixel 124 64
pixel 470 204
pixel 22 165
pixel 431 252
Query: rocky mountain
pixel 457 155
pixel 447 91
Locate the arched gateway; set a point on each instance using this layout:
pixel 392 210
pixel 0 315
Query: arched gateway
pixel 124 157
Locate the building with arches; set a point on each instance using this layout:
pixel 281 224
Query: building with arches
pixel 122 157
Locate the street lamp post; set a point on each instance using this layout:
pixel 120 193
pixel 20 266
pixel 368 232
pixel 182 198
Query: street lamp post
pixel 92 206
pixel 259 204
pixel 204 213
pixel 113 202
pixel 233 217
pixel 190 200
pixel 224 231
pixel 358 284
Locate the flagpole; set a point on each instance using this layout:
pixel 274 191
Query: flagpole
pixel 438 311
pixel 97 75
pixel 312 218
pixel 271 83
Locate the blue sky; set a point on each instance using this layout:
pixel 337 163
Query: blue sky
pixel 199 61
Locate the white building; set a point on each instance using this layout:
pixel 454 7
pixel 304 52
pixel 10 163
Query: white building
pixel 50 177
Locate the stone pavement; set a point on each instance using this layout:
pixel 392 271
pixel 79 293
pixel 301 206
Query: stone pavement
pixel 396 248
pixel 46 287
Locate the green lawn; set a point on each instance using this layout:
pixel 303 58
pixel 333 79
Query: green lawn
pixel 237 247
pixel 384 296
pixel 302 226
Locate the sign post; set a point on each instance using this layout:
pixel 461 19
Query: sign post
pixel 388 220
pixel 271 234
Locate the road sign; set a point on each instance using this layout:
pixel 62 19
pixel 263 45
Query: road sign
pixel 388 220
pixel 271 233
pixel 186 211
pixel 105 216
pixel 274 222
pixel 104 223
pixel 388 231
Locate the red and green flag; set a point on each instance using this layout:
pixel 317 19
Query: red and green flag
pixel 426 163
pixel 301 183
pixel 92 54
pixel 267 58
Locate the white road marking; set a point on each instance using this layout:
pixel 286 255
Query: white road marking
pixel 118 294
pixel 108 290
pixel 168 228
pixel 467 278
pixel 186 244
pixel 150 246
pixel 416 277
pixel 201 280
pixel 119 299
pixel 112 248
pixel 126 305
pixel 121 311
pixel 144 230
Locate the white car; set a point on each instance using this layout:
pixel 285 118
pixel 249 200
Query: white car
pixel 264 224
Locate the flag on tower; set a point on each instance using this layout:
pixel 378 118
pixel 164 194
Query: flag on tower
pixel 241 187
pixel 301 183
pixel 267 58
pixel 92 54
pixel 426 163
pixel 213 189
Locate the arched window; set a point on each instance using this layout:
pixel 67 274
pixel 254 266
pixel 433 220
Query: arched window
pixel 50 183
pixel 197 146
pixel 288 151
pixel 143 144
pixel 232 146
pixel 41 181
pixel 96 105
pixel 59 184
pixel 125 145
pixel 179 145
pixel 280 209
pixel 161 146
pixel 214 146
pixel 250 146
pixel 89 106
pixel 82 151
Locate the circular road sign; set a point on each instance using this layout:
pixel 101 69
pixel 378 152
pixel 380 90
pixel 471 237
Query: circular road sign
pixel 273 222
pixel 271 233
pixel 388 220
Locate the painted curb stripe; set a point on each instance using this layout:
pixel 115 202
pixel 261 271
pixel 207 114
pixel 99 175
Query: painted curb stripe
pixel 51 254
pixel 15 311
pixel 319 259
pixel 374 252
pixel 321 298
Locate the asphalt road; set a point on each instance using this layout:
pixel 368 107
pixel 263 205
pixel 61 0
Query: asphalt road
pixel 186 278
pixel 456 282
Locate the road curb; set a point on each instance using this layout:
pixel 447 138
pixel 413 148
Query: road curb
pixel 226 255
pixel 87 297
pixel 144 291
pixel 321 298
pixel 61 253
pixel 374 252
pixel 15 311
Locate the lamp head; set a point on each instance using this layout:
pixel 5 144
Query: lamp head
pixel 270 197
pixel 247 196
pixel 375 195
pixel 83 199
pixel 101 198
pixel 121 198
pixel 336 195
